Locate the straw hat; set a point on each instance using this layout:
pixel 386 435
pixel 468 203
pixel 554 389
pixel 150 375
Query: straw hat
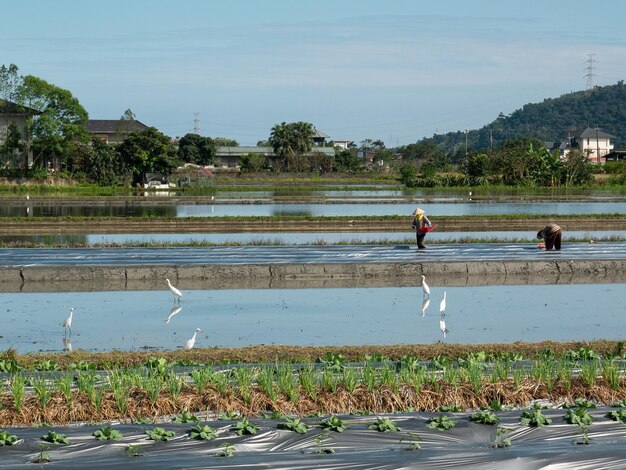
pixel 418 211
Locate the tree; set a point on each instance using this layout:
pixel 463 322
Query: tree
pixel 224 142
pixel 252 162
pixel 60 122
pixel 193 148
pixel 291 141
pixel 10 83
pixel 577 168
pixel 347 161
pixel 148 151
pixel 101 164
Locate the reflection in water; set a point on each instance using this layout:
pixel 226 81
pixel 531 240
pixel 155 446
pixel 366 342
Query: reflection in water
pixel 175 311
pixel 67 345
pixel 425 304
pixel 442 325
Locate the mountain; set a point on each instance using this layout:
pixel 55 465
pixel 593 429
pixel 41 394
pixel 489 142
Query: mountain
pixel 550 120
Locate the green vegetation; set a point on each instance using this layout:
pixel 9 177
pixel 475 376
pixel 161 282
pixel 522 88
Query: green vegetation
pixel 384 425
pixel 55 438
pixel 295 425
pixel 441 423
pixel 108 434
pixel 159 434
pixel 535 418
pixel 7 439
pixel 203 433
pixel 333 423
pixel 245 427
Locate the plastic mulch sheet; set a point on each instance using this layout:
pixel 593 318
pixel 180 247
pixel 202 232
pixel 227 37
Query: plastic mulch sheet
pixel 467 445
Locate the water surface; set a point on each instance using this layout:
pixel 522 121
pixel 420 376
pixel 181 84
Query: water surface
pixel 136 320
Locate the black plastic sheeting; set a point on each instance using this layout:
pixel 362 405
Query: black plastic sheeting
pixel 12 257
pixel 467 445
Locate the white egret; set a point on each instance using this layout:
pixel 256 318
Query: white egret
pixel 175 292
pixel 175 311
pixel 191 341
pixel 442 304
pixel 425 287
pixel 425 304
pixel 67 324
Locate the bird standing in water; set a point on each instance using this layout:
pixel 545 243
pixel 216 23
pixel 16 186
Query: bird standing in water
pixel 191 341
pixel 67 324
pixel 425 287
pixel 175 292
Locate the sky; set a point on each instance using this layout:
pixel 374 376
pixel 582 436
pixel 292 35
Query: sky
pixel 394 70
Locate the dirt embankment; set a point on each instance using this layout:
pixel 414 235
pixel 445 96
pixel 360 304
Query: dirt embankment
pixel 308 224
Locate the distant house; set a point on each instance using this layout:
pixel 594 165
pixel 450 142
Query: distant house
pixel 231 156
pixel 615 156
pixel 319 138
pixel 13 113
pixel 113 131
pixel 342 143
pixel 593 142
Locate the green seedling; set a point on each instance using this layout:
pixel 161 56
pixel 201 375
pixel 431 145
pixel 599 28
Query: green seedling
pixel 332 361
pixel 294 425
pixel 55 438
pixel 441 423
pixel 9 366
pixel 7 439
pixel 618 415
pixel 413 441
pixel 108 434
pixel 333 423
pixel 484 417
pixel 384 425
pixel 579 416
pixel 584 436
pixel 47 366
pixel 42 456
pixel 535 418
pixel 185 417
pixel 581 403
pixel 228 450
pixel 320 442
pixel 133 450
pixel 203 433
pixel 450 409
pixel 142 421
pixel 244 427
pixel 81 365
pixel 229 416
pixel 159 434
pixel 501 441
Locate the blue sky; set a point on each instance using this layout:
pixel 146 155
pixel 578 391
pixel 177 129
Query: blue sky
pixel 395 70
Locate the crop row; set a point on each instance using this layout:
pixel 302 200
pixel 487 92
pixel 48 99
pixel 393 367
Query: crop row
pixel 332 386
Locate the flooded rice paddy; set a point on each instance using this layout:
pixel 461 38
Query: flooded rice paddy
pixel 138 320
pixel 295 238
pixel 53 208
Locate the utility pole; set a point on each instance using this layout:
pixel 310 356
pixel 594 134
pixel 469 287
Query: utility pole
pixel 590 76
pixel 196 123
pixel 597 146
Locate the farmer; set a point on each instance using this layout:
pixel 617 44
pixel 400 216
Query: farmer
pixel 551 234
pixel 422 226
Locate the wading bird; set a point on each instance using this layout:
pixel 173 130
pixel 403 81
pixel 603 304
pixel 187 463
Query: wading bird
pixel 442 304
pixel 191 341
pixel 175 292
pixel 67 324
pixel 425 287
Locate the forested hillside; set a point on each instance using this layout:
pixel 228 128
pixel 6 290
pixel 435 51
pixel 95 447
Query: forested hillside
pixel 549 120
